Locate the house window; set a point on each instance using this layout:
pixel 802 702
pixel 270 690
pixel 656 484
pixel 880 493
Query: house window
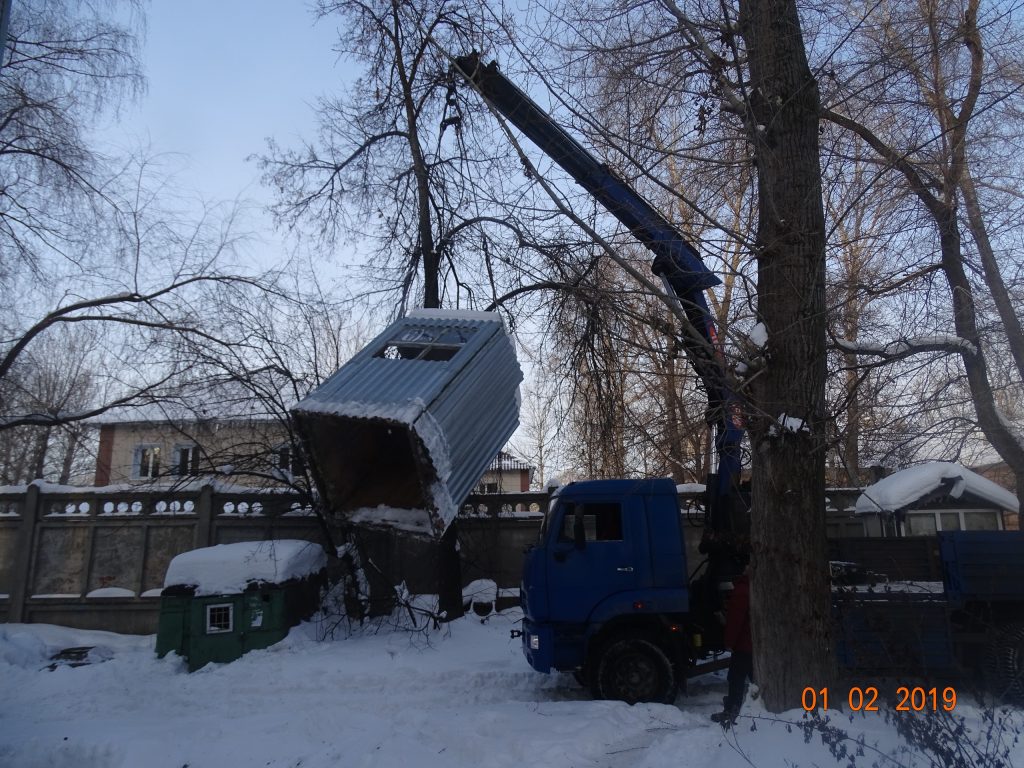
pixel 488 488
pixel 949 521
pixel 147 461
pixel 929 523
pixel 981 521
pixel 921 524
pixel 186 460
pixel 220 618
pixel 288 459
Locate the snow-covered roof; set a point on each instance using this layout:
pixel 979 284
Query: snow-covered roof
pixel 162 484
pixel 206 401
pixel 506 462
pixel 229 568
pixel 902 489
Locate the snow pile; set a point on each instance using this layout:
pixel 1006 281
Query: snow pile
pixel 401 518
pixel 691 488
pixel 229 568
pixel 903 488
pixel 480 596
pixel 111 592
pixel 790 424
pixel 30 646
pixel 22 647
pixel 459 696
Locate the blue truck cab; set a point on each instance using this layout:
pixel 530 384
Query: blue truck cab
pixel 605 590
pixel 606 595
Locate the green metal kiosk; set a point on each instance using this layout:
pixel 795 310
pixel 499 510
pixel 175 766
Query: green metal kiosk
pixel 221 602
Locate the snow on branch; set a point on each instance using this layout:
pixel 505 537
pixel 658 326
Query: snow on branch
pixel 791 424
pixel 901 348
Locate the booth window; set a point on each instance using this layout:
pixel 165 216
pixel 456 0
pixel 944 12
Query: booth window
pixel 219 618
pixel 425 343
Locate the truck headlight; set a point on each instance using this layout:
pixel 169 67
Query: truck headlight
pixel 534 642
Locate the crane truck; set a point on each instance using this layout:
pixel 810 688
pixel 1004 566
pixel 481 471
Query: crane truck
pixel 606 591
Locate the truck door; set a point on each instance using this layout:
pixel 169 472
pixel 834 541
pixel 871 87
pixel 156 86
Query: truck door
pixel 593 555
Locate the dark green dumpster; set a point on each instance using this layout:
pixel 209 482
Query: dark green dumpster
pixel 220 602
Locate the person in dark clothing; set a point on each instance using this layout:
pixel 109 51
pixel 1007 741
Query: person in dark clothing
pixel 737 640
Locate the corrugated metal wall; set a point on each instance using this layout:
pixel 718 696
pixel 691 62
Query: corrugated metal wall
pixel 414 419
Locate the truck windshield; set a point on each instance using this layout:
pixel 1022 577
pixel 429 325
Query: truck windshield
pixel 552 505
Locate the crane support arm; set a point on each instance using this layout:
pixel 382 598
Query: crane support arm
pixel 676 262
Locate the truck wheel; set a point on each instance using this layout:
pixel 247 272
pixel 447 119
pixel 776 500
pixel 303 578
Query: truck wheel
pixel 636 670
pixel 1005 663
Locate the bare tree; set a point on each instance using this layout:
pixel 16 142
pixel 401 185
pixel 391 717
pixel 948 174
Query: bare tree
pixel 137 306
pixel 397 166
pixel 90 249
pixel 678 65
pixel 939 88
pixel 57 375
pixel 541 421
pixel 632 402
pixel 65 65
pixel 789 439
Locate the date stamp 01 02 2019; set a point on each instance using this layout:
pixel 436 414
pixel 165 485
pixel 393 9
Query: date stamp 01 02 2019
pixel 866 699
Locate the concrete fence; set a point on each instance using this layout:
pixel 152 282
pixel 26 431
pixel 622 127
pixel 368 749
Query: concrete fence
pixel 95 558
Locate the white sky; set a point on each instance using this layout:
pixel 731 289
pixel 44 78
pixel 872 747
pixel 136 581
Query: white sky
pixel 222 77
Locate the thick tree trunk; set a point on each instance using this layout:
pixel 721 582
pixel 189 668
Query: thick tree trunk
pixel 990 269
pixel 68 462
pixel 1008 446
pixel 965 320
pixel 851 438
pixel 449 574
pixel 448 569
pixel 789 583
pixel 42 448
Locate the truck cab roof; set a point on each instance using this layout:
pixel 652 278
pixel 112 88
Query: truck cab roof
pixel 619 487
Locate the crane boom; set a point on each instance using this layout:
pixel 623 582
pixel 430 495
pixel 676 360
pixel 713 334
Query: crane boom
pixel 676 261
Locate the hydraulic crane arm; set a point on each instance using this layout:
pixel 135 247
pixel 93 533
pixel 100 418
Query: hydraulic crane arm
pixel 676 262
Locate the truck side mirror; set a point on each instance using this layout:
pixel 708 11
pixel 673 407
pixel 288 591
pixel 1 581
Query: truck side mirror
pixel 579 536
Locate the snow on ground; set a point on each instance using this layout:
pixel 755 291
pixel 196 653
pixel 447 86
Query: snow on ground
pixel 463 696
